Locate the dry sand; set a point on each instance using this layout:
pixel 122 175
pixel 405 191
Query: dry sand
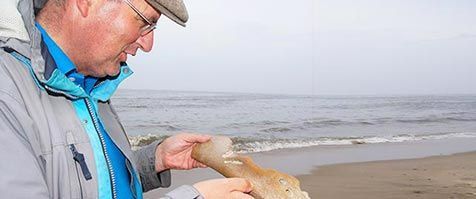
pixel 452 176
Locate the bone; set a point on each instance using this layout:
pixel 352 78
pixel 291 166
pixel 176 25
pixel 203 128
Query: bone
pixel 267 183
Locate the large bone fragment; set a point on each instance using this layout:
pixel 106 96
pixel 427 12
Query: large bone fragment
pixel 267 183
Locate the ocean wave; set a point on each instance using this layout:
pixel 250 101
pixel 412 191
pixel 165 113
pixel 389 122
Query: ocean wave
pixel 143 140
pixel 329 122
pixel 161 126
pixel 276 129
pixel 252 145
pixel 435 120
pixel 325 122
pixel 256 144
pixel 263 123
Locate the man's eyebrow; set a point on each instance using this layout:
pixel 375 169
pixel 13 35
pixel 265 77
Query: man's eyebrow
pixel 153 19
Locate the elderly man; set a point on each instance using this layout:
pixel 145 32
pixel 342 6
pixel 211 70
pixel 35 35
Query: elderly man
pixel 61 138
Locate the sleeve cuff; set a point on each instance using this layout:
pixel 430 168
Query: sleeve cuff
pixel 149 177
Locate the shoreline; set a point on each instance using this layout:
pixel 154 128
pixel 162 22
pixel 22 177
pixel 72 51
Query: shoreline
pixel 438 177
pixel 302 162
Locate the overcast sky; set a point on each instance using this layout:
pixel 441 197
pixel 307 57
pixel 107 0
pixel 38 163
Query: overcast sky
pixel 319 47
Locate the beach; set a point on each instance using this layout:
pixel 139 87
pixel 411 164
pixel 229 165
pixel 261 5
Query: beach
pixel 437 177
pixel 424 169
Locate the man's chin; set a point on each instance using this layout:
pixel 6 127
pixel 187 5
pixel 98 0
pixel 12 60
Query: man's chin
pixel 111 71
pixel 114 72
pixel 111 74
pixel 106 74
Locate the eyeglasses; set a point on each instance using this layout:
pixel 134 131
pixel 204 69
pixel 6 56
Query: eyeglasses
pixel 150 25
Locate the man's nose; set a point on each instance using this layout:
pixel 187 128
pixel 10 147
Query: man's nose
pixel 146 42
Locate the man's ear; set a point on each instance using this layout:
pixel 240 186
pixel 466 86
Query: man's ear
pixel 83 7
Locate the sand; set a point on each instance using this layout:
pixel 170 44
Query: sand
pixel 452 176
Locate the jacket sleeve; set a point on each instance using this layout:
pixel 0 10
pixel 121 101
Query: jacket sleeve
pixel 22 176
pixel 150 179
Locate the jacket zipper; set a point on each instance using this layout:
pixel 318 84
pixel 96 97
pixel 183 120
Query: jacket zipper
pixel 100 83
pixel 103 143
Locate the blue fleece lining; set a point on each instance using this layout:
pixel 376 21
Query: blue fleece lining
pixel 106 89
pixel 59 81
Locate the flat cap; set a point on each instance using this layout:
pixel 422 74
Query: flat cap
pixel 173 9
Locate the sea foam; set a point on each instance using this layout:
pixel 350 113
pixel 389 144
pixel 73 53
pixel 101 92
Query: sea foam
pixel 254 144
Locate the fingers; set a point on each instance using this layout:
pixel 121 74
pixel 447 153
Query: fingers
pixel 240 184
pixel 240 195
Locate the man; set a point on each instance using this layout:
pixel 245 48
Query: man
pixel 61 138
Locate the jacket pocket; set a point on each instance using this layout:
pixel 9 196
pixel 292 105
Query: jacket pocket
pixel 79 172
pixel 79 159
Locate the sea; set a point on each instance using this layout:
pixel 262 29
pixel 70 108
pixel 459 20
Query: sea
pixel 265 122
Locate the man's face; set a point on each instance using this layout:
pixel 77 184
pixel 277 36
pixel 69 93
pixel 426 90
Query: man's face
pixel 113 31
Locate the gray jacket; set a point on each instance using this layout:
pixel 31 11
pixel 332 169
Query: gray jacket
pixel 45 149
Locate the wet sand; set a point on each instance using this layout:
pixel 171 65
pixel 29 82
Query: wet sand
pixel 452 176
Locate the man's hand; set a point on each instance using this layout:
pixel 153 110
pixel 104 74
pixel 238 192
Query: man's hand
pixel 233 188
pixel 175 152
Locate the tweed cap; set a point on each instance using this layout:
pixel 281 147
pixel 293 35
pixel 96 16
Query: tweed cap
pixel 173 9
